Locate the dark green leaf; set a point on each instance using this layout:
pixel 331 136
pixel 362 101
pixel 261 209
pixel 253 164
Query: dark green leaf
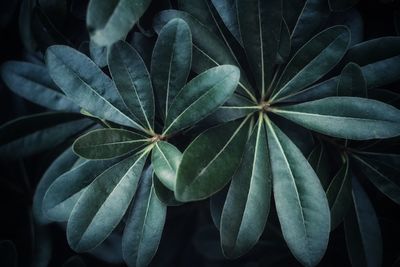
pixel 8 254
pixel 386 96
pixel 247 205
pixel 363 236
pixel 300 200
pixel 144 225
pixel 103 203
pixel 74 261
pixel 83 82
pixel 217 202
pixel 284 44
pixel 165 195
pixel 108 143
pixel 321 163
pixel 171 62
pixel 382 72
pixel 227 10
pixel 32 82
pixel 25 25
pixel 144 46
pixel 110 21
pixel 352 82
pixel 165 159
pixel 341 5
pixel 210 160
pixel 260 27
pixel 201 96
pixel 345 117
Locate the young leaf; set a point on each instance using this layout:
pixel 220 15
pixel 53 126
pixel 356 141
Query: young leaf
pixel 345 117
pixel 352 82
pixel 383 171
pixel 260 26
pixel 339 195
pixel 209 162
pixel 165 159
pixel 144 225
pixel 363 236
pixel 32 82
pixel 108 143
pixel 60 165
pixel 110 21
pixel 300 200
pixel 133 82
pixel 316 58
pixel 171 62
pixel 201 96
pixel 247 205
pixel 82 81
pixel 103 203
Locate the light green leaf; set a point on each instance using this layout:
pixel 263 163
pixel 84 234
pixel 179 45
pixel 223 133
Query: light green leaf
pixel 352 82
pixel 363 235
pixel 210 160
pixel 201 96
pixel 345 117
pixel 108 143
pixel 133 82
pixel 247 205
pixel 316 58
pixel 383 171
pixel 83 82
pixel 103 203
pixel 341 5
pixel 260 27
pixel 144 225
pixel 300 200
pixel 110 21
pixel 60 165
pixel 171 62
pixel 165 159
pixel 165 195
pixel 339 194
pixel 32 82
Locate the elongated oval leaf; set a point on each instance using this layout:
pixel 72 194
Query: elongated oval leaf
pixel 108 143
pixel 321 163
pixel 227 10
pixel 83 82
pixel 363 236
pixel 171 62
pixel 316 58
pixel 210 160
pixel 201 96
pixel 133 82
pixel 260 26
pixel 300 200
pixel 346 117
pixel 144 226
pixel 247 205
pixel 110 21
pixel 32 82
pixel 103 203
pixel 165 159
pixel 352 82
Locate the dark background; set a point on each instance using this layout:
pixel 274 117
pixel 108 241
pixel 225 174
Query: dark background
pixel 182 242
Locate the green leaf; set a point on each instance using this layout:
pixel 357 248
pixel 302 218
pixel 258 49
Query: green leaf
pixel 8 254
pixel 110 21
pixel 144 46
pixel 260 27
pixel 316 58
pixel 382 72
pixel 83 82
pixel 98 54
pixel 39 132
pixel 171 62
pixel 383 171
pixel 321 163
pixel 339 194
pixel 363 236
pixel 108 143
pixel 352 82
pixel 165 159
pixel 341 5
pixel 284 44
pixel 300 200
pixel 32 82
pixel 60 165
pixel 217 202
pixel 144 225
pixel 133 82
pixel 227 10
pixel 103 203
pixel 25 25
pixel 201 96
pixel 165 195
pixel 209 162
pixel 345 117
pixel 247 205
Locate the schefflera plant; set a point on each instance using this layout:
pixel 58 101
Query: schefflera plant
pixel 291 78
pixel 94 196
